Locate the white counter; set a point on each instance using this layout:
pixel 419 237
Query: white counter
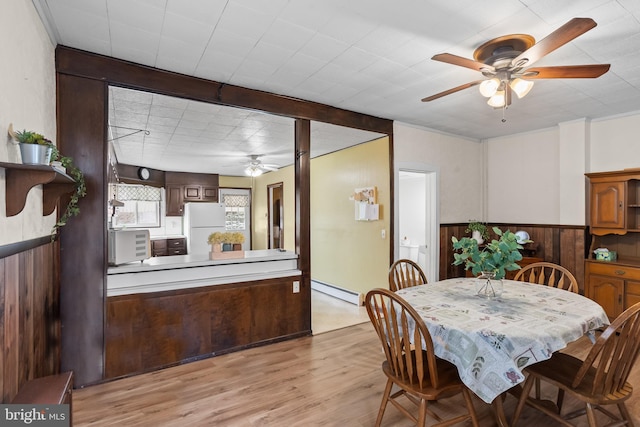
pixel 189 271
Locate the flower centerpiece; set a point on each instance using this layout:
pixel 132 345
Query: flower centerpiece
pixel 225 245
pixel 490 262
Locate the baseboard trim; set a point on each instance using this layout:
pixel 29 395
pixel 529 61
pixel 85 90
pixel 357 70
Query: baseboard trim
pixel 338 292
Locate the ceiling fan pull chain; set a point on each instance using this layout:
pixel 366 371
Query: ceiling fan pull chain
pixel 504 108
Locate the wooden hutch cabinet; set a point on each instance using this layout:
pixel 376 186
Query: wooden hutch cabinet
pixel 614 219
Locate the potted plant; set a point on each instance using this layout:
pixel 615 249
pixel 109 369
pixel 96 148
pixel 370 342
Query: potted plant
pixel 237 239
pixel 478 231
pixel 35 149
pixel 216 239
pixel 491 262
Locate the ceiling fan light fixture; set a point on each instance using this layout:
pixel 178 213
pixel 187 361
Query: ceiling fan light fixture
pixel 521 87
pixel 497 100
pixel 253 171
pixel 489 87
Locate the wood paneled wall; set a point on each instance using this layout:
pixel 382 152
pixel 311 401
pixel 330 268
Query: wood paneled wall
pixel 189 324
pixel 564 245
pixel 29 318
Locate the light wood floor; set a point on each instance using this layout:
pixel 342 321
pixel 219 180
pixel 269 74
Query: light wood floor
pixel 331 379
pixel 329 313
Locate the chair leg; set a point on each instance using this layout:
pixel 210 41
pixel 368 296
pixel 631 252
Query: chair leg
pixel 470 407
pixel 560 399
pixel 422 415
pixel 526 389
pixel 385 400
pixel 591 416
pixel 625 414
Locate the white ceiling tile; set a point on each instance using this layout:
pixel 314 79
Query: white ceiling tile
pixel 324 48
pixel 147 16
pixel 204 11
pixel 371 56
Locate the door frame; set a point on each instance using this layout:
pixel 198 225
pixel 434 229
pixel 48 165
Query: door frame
pixel 270 189
pixel 432 213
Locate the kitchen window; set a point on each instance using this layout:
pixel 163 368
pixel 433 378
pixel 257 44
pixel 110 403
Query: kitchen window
pixel 235 211
pixel 134 205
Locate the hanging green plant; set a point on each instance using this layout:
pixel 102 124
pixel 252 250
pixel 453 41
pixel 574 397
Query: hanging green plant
pixel 80 187
pixel 80 190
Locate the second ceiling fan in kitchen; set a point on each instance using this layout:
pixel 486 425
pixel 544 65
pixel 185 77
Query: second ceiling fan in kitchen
pixel 504 63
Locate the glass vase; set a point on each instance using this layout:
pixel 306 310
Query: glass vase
pixel 487 286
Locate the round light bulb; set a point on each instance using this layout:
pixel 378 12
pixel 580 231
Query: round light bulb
pixel 497 100
pixel 489 87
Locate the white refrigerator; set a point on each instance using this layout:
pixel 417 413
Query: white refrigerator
pixel 199 221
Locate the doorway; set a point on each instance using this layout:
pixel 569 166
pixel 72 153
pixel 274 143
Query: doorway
pixel 275 217
pixel 416 223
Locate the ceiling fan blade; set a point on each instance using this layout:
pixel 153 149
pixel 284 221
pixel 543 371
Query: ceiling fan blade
pixel 463 62
pixel 561 36
pixel 450 91
pixel 566 72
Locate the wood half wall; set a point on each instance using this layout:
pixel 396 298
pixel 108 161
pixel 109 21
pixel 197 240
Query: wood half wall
pixel 29 317
pixel 560 244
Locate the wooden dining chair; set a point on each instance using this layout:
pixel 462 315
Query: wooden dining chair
pixel 599 380
pixel 548 273
pixel 405 273
pixel 419 375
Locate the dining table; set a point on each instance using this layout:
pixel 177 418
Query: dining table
pixel 492 340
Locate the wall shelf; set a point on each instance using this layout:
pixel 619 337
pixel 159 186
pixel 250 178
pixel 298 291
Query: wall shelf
pixel 22 178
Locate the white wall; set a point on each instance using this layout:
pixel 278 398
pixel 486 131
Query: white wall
pixel 522 178
pixel 459 162
pixel 615 143
pixel 28 100
pixel 538 177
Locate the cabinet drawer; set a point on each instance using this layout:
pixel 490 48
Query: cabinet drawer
pixel 176 243
pixel 177 251
pixel 614 270
pixel 159 244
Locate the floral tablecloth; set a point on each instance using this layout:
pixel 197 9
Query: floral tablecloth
pixel 492 341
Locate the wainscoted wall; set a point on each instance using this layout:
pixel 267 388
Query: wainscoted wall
pixel 29 318
pixel 561 244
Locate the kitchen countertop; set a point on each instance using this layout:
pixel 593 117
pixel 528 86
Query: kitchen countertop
pixel 169 273
pixel 198 260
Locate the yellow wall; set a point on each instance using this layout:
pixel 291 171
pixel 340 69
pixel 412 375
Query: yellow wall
pixel 347 253
pixel 234 181
pixel 260 236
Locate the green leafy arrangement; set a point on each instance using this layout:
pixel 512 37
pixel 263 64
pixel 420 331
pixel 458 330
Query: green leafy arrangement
pixel 80 190
pixel 497 256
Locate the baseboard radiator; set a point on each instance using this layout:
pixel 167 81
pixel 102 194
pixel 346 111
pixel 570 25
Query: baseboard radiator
pixel 338 292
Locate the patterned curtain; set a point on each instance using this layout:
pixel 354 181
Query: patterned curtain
pixel 236 200
pixel 124 192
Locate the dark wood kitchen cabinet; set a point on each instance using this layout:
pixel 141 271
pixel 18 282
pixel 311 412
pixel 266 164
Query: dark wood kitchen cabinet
pixel 182 187
pixel 171 246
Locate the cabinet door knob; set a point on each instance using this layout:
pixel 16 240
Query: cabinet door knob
pixel 620 272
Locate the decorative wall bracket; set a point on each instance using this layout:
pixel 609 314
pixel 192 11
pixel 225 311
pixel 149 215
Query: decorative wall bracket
pixel 22 178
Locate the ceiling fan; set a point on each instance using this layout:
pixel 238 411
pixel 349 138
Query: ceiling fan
pixel 504 61
pixel 256 168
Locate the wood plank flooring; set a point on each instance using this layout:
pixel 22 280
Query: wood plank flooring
pixel 331 379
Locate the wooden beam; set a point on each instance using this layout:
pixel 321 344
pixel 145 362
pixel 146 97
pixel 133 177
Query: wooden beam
pixel 134 76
